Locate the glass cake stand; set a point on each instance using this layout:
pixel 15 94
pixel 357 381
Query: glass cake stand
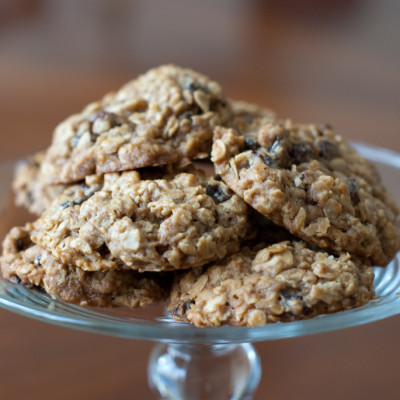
pixel 189 362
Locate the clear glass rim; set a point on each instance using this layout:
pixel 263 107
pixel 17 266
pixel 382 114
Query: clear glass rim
pixel 174 332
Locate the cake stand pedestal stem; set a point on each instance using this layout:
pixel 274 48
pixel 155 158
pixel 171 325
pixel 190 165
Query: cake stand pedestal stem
pixel 211 372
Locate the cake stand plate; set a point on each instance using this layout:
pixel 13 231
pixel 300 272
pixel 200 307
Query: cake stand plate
pixel 200 363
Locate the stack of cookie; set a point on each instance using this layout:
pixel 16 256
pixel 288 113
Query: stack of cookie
pixel 166 190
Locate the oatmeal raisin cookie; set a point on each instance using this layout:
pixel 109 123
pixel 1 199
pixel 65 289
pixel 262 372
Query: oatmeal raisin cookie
pixel 23 261
pixel 280 282
pixel 166 115
pixel 31 189
pixel 146 225
pixel 309 180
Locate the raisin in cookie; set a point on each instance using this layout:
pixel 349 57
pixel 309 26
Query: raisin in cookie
pixel 146 225
pixel 310 181
pixel 282 282
pixel 24 261
pixel 31 189
pixel 166 115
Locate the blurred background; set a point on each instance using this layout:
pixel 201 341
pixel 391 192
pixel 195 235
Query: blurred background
pixel 332 61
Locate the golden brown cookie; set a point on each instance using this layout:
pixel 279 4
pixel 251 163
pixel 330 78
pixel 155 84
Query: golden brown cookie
pixel 247 117
pixel 309 180
pixel 284 281
pixel 165 116
pixel 32 191
pixel 146 225
pixel 23 261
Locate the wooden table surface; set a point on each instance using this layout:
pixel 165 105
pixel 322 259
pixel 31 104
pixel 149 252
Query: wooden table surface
pixel 335 62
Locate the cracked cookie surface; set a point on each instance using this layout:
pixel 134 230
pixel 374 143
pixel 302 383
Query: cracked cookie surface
pixel 310 181
pixel 24 261
pixel 281 282
pixel 146 225
pixel 165 116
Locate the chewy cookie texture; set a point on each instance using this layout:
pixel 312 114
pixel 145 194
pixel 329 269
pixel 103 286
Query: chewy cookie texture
pixel 279 282
pixel 27 262
pixel 166 115
pixel 145 225
pixel 279 221
pixel 310 181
